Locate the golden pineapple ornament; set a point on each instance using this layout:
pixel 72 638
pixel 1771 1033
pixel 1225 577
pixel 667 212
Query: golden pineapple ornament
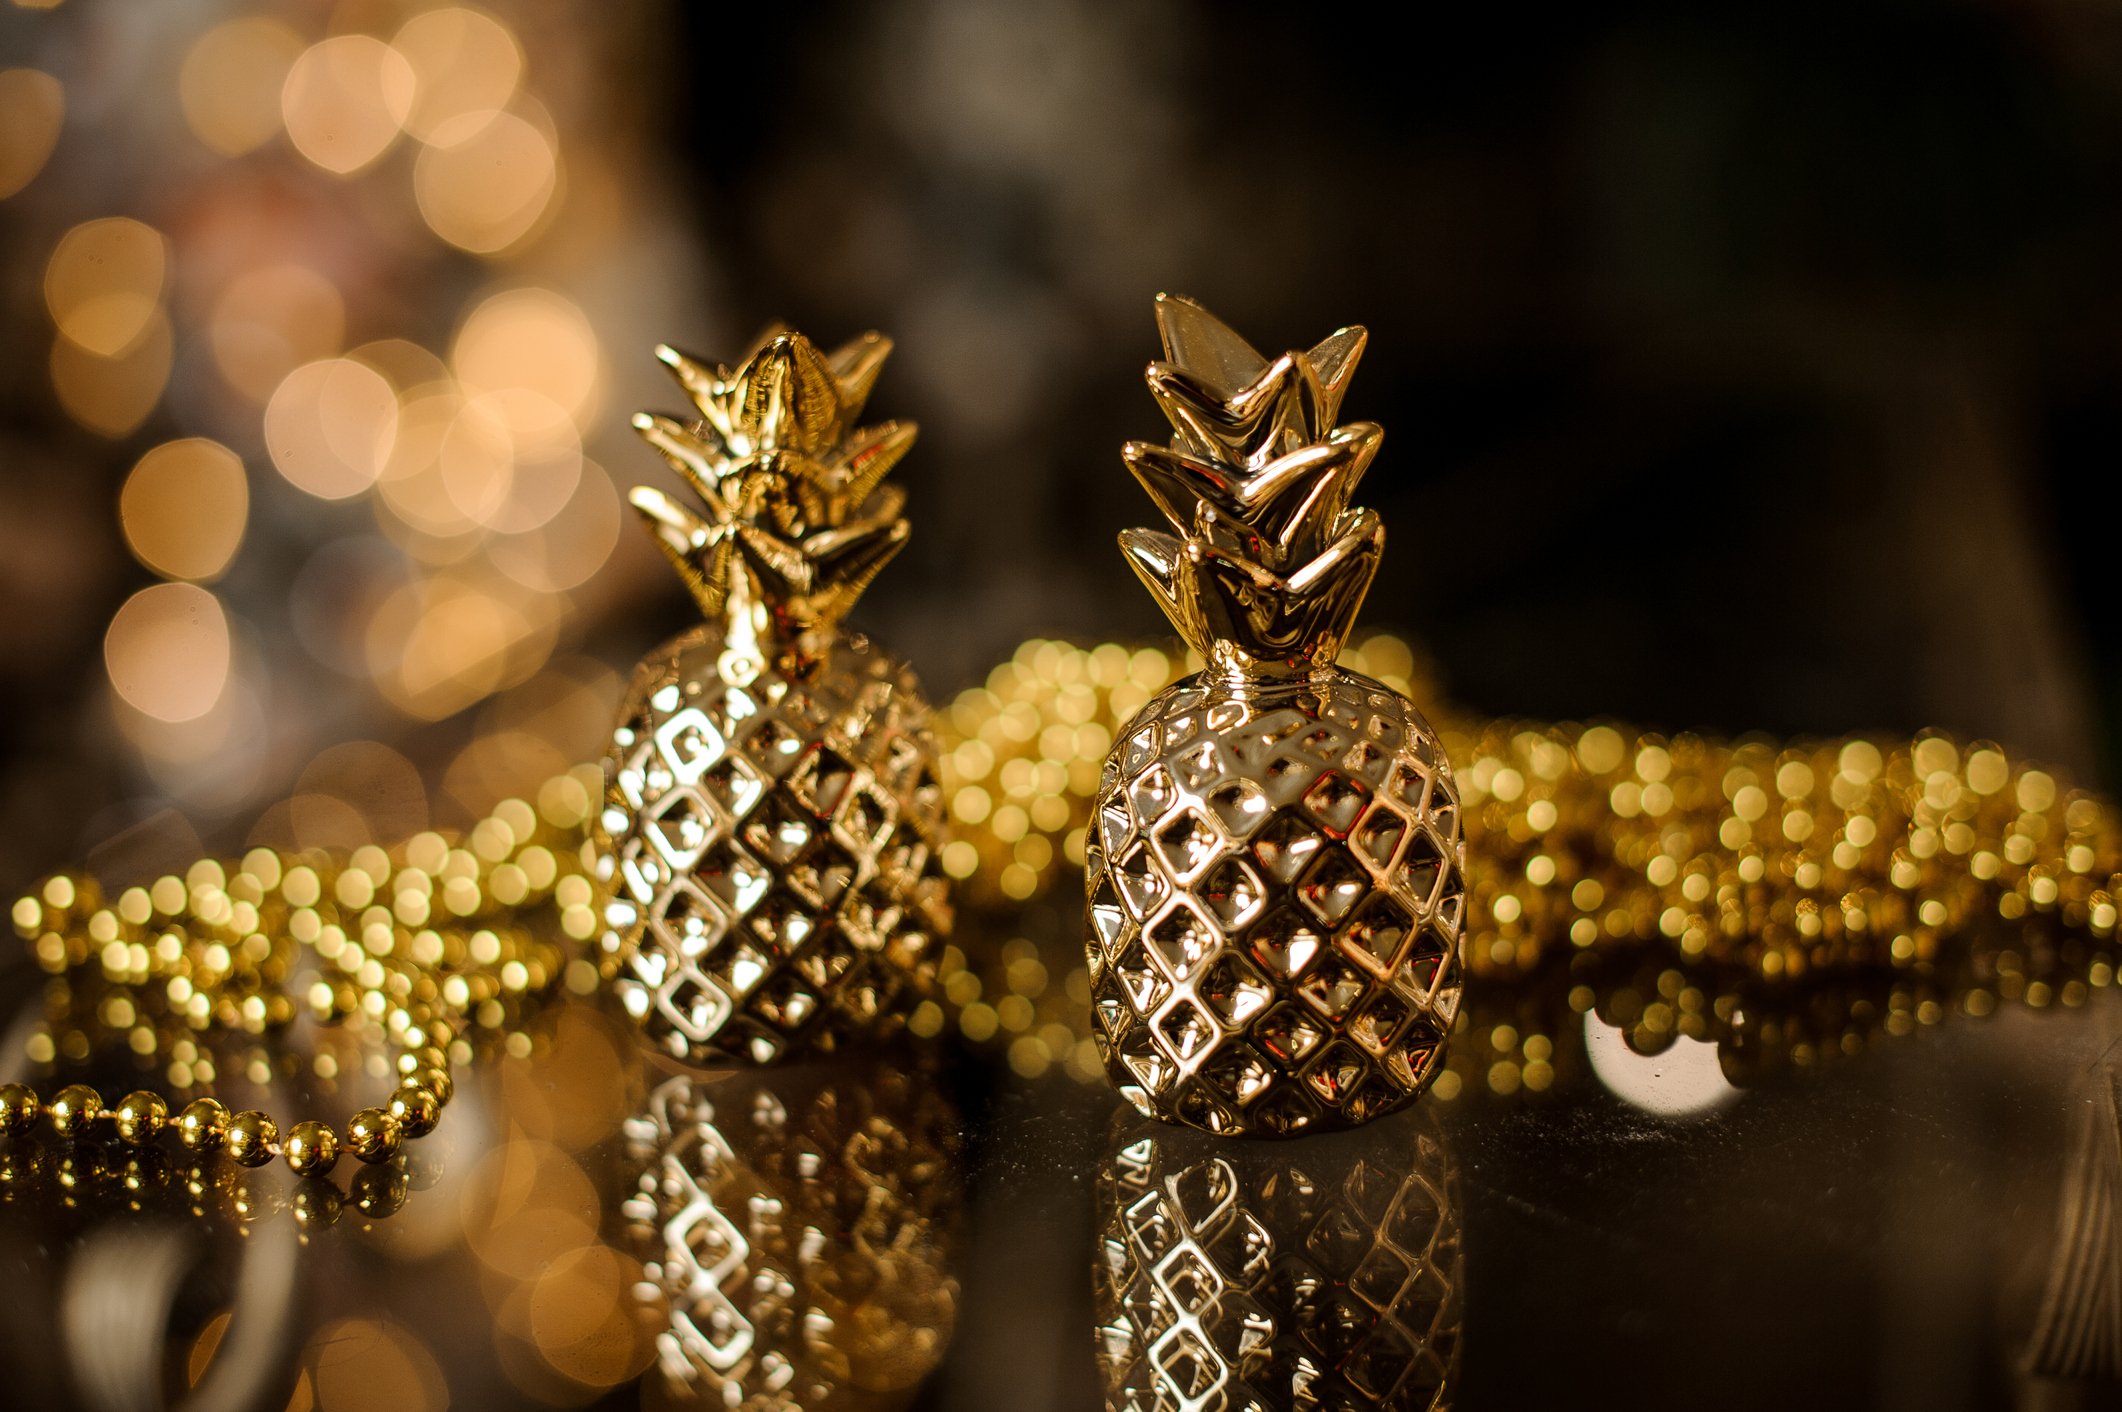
pixel 1275 876
pixel 771 829
pixel 798 1232
pixel 1250 1278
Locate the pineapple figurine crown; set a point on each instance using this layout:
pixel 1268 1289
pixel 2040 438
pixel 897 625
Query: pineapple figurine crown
pixel 797 522
pixel 1270 562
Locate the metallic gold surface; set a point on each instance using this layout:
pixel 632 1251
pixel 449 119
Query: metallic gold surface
pixel 799 1235
pixel 252 1138
pixel 1274 871
pixel 772 825
pixel 202 1125
pixel 1321 1273
pixel 141 1116
pixel 19 1108
pixel 373 1135
pixel 312 1149
pixel 73 1108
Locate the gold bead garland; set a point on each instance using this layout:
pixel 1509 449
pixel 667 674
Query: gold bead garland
pixel 1777 858
pixel 219 952
pixel 251 1138
pixel 441 928
pixel 1805 898
pixel 87 1176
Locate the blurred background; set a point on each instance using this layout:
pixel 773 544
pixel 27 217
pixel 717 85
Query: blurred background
pixel 1742 366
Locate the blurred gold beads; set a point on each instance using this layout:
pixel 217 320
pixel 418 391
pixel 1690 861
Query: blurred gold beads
pixel 417 1109
pixel 18 1108
pixel 74 1108
pixel 312 1149
pixel 373 1135
pixel 202 1125
pixel 251 1138
pixel 140 1116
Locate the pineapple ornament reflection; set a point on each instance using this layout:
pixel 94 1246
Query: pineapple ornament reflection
pixel 799 1231
pixel 1318 1274
pixel 772 822
pixel 1275 877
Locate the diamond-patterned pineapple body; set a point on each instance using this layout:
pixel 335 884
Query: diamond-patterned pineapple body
pixel 799 1234
pixel 1240 1278
pixel 1275 900
pixel 770 847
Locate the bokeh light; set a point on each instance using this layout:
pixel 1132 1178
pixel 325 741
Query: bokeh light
pixel 373 1365
pixel 330 427
pixel 269 322
pixel 510 460
pixel 572 546
pixel 167 651
pixel 405 365
pixel 525 1205
pixel 104 283
pixel 345 100
pixel 485 179
pixel 412 484
pixel 184 508
pixel 528 736
pixel 359 790
pixel 438 646
pixel 32 110
pixel 466 63
pixel 113 395
pixel 534 339
pixel 231 83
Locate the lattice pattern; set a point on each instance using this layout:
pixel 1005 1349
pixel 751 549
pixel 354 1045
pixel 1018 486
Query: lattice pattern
pixel 803 1244
pixel 1276 893
pixel 1259 1279
pixel 771 850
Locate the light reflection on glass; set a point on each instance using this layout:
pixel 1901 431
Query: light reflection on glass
pixel 1681 1081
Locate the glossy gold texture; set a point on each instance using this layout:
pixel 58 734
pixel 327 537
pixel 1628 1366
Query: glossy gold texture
pixel 772 827
pixel 798 1235
pixel 1321 1273
pixel 1274 870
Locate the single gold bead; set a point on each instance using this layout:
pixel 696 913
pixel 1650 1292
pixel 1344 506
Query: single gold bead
pixel 75 1107
pixel 373 1135
pixel 312 1149
pixel 441 1034
pixel 18 1108
pixel 437 1082
pixel 251 1138
pixel 202 1125
pixel 141 1116
pixel 416 1108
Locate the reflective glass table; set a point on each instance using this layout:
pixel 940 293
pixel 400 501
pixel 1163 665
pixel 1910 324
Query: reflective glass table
pixel 1888 1213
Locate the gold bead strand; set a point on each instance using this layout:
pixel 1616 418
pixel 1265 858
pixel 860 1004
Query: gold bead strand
pixel 251 1138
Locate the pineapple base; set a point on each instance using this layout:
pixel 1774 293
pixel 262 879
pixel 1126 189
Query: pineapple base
pixel 1276 894
pixel 798 1232
pixel 1326 1273
pixel 770 848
